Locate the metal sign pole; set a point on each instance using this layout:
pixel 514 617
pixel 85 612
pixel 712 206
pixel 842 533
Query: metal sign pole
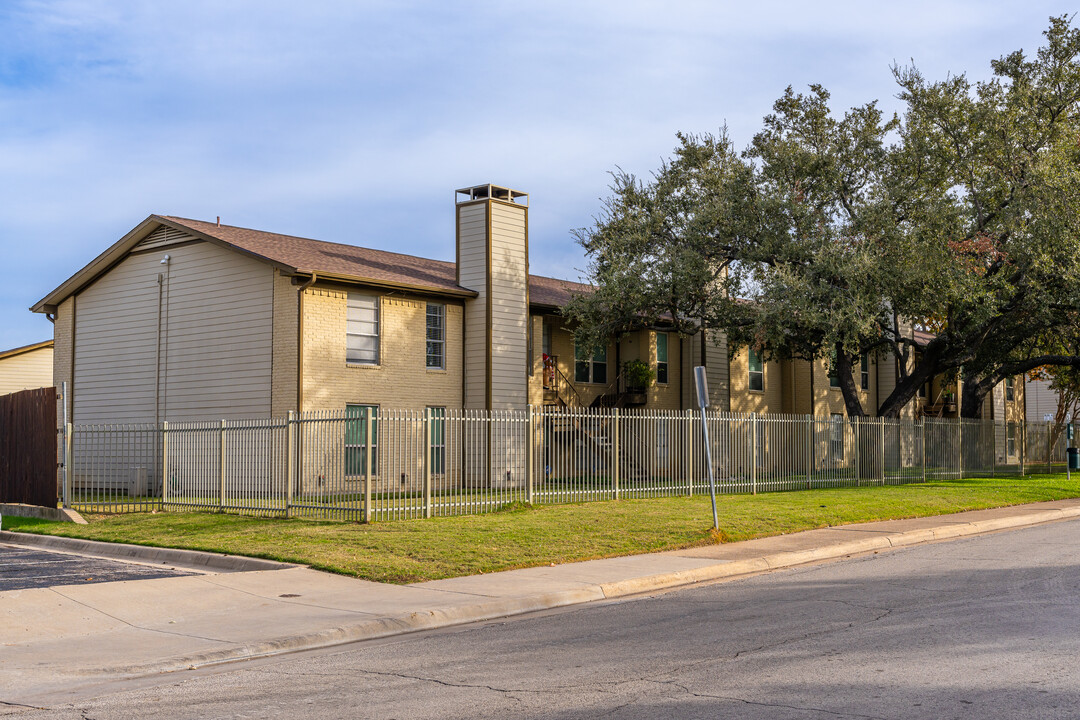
pixel 703 402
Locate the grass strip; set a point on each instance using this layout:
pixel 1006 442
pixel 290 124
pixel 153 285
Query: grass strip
pixel 521 536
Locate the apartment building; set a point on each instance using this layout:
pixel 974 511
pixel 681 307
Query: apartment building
pixel 185 320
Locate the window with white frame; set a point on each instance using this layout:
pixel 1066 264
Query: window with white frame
pixel 757 371
pixel 661 357
pixel 362 329
pixel 1010 389
pixel 864 375
pixel 590 369
pixel 1010 439
pixel 356 417
pixel 436 336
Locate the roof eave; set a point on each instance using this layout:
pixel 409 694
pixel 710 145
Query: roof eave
pixel 390 285
pixel 25 349
pixel 95 268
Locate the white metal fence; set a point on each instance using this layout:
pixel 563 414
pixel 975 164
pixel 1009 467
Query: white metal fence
pixel 377 464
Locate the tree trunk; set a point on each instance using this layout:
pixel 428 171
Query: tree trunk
pixel 973 395
pixel 847 384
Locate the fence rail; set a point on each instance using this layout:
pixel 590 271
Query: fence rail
pixel 379 464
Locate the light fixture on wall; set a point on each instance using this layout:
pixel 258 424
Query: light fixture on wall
pixel 165 260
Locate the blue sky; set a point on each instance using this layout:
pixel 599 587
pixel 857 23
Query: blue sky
pixel 355 121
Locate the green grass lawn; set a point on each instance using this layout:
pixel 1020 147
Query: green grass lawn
pixel 416 550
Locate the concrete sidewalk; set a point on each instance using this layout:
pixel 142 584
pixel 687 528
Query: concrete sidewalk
pixel 59 639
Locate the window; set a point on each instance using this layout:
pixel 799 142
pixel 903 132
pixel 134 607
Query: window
pixel 438 439
pixel 588 369
pixel 661 357
pixel 1010 439
pixel 1010 390
pixel 356 439
pixel 834 376
pixel 865 371
pixel 836 437
pixel 436 336
pixel 757 371
pixel 362 329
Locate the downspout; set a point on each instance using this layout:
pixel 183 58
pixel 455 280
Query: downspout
pixel 300 340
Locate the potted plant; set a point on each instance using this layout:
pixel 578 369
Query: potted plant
pixel 638 375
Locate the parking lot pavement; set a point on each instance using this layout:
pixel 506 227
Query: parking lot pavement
pixel 22 568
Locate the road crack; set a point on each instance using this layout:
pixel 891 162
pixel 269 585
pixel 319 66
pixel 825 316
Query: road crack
pixel 761 703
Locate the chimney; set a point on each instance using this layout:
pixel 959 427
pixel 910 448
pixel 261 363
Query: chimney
pixel 493 259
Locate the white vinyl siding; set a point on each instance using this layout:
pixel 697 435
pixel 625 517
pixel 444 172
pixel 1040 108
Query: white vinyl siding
pixel 362 329
pixel 472 270
pixel 509 310
pixel 214 356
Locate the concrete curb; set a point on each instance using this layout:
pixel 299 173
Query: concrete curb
pixel 193 559
pixel 505 607
pixel 44 513
pixel 368 630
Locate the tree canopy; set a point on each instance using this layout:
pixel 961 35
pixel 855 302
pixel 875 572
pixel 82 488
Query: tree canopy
pixel 831 235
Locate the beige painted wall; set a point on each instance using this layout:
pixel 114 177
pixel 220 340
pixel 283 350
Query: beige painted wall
pixel 401 380
pixel 26 371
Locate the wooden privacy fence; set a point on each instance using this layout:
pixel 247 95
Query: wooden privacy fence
pixel 28 447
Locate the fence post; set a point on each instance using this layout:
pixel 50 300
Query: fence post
pixel 615 451
pixel 69 461
pixel 221 478
pixel 1023 446
pixel 858 437
pixel 427 462
pixel 960 445
pixel 922 432
pixel 753 453
pixel 530 458
pixel 882 450
pixel 164 463
pixel 290 461
pixel 1049 455
pixel 993 447
pixel 809 451
pixel 367 465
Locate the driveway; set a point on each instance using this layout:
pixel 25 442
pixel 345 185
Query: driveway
pixel 22 568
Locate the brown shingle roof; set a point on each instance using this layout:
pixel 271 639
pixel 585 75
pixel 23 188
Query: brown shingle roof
pixel 305 255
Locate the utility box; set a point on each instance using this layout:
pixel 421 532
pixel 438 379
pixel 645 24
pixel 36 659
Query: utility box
pixel 1074 458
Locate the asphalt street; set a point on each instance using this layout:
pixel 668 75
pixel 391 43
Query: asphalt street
pixel 984 627
pixel 22 568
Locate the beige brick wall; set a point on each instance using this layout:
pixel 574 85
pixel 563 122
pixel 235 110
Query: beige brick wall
pixel 830 400
pixel 64 355
pixel 400 380
pixel 283 386
pixel 743 399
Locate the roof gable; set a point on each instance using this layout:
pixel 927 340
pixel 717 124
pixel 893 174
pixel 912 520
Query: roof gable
pixel 301 256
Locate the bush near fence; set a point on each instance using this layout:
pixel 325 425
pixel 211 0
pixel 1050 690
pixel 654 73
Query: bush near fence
pixel 398 464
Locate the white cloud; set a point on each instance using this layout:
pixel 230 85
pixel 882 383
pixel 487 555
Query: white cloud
pixel 355 121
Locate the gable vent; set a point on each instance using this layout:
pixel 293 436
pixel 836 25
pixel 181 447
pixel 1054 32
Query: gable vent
pixel 163 236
